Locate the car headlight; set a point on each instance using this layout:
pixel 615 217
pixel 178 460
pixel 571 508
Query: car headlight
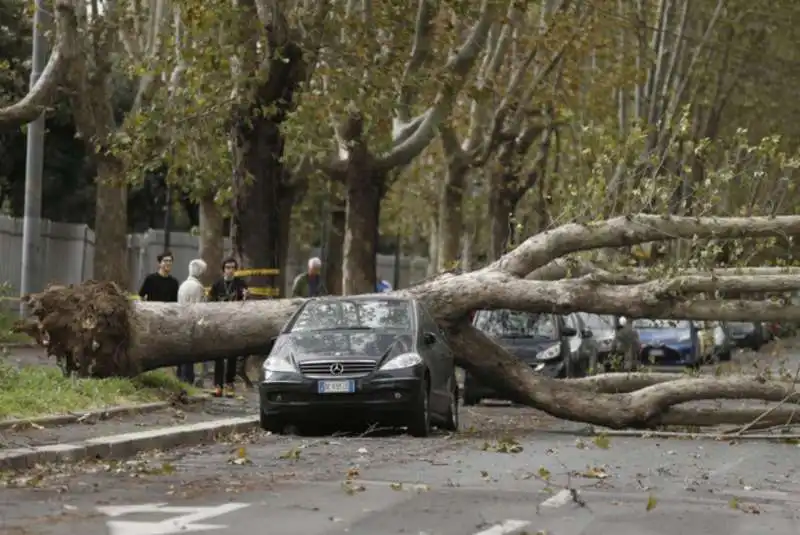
pixel 406 360
pixel 552 352
pixel 281 362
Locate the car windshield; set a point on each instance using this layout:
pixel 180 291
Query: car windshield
pixel 660 324
pixel 598 323
pixel 514 324
pixel 340 314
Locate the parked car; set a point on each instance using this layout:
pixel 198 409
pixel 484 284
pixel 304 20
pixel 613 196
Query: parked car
pixel 751 335
pixel 674 342
pixel 552 344
pixel 381 357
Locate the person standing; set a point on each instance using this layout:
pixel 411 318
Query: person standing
pixel 192 291
pixel 310 283
pixel 161 285
pixel 228 288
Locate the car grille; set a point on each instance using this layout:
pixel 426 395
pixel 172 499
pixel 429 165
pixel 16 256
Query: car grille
pixel 322 368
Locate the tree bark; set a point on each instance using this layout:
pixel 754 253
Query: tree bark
pixel 111 223
pixel 212 240
pixel 451 217
pixel 335 249
pixel 364 194
pixel 500 222
pixel 100 328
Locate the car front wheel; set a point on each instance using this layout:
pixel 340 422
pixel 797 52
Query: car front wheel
pixel 451 419
pixel 420 419
pixel 273 424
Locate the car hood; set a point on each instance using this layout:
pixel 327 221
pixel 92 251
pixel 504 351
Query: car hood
pixel 342 344
pixel 663 336
pixel 525 348
pixel 603 334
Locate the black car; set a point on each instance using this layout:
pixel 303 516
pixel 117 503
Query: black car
pixel 382 358
pixel 552 344
pixel 750 335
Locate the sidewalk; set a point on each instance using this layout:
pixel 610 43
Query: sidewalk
pixel 213 409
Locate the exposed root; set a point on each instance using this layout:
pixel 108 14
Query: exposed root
pixel 85 327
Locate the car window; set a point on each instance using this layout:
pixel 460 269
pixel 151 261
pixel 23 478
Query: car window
pixel 570 321
pixel 642 323
pixel 428 323
pixel 516 324
pixel 393 314
pixel 596 322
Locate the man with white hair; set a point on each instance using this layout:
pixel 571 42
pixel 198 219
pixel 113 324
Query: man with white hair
pixel 191 291
pixel 310 283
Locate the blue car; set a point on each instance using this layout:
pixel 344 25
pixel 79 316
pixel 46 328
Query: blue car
pixel 672 342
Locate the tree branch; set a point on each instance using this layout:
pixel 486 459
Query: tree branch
pixel 455 73
pixel 41 94
pixel 669 298
pixel 540 249
pixel 420 54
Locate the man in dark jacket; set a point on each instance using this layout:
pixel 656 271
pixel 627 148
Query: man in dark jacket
pixel 228 288
pixel 626 344
pixel 162 286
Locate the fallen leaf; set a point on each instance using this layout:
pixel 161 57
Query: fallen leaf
pixel 396 486
pixel 352 473
pixel 351 488
pixel 595 473
pixel 292 454
pixel 602 442
pixel 544 473
pixel 651 503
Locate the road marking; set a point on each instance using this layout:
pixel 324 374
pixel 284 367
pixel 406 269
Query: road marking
pixel 506 527
pixel 558 500
pixel 185 522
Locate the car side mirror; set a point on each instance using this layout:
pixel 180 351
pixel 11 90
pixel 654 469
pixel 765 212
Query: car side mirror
pixel 568 331
pixel 429 338
pixel 587 333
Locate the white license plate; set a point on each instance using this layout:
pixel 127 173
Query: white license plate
pixel 336 387
pixel 656 353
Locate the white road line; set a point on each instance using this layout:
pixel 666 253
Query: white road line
pixel 558 500
pixel 506 527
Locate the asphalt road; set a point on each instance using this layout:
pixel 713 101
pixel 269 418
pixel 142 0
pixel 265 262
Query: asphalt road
pixel 544 483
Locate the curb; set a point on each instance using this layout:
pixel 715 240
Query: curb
pixel 125 445
pixel 97 414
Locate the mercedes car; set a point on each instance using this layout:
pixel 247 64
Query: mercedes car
pixel 552 344
pixel 377 357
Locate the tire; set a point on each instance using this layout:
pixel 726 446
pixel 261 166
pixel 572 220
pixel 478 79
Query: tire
pixel 419 424
pixel 725 357
pixel 272 424
pixel 451 420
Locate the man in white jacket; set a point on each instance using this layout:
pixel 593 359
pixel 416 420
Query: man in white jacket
pixel 192 291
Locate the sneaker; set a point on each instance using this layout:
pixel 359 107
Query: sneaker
pixel 218 392
pixel 230 391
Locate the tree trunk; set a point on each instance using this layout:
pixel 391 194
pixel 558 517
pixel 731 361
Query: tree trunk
pixel 263 205
pixel 451 218
pixel 500 223
pixel 212 239
pixel 111 224
pixel 335 249
pixel 364 194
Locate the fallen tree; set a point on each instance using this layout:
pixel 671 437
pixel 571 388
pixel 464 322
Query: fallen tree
pixel 106 334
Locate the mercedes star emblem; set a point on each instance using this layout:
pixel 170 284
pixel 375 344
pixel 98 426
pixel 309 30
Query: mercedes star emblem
pixel 337 368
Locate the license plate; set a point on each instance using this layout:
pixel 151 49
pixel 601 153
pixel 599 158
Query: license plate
pixel 336 387
pixel 656 352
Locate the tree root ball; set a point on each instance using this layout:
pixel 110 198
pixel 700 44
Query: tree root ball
pixel 86 327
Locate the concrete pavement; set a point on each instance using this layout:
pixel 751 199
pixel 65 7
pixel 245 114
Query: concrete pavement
pixel 440 486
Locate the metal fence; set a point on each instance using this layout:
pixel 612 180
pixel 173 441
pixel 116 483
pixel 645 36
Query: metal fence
pixel 68 256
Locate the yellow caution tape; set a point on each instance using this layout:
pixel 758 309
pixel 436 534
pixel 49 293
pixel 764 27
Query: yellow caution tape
pixel 257 271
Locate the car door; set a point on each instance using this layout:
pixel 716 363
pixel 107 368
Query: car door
pixel 440 359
